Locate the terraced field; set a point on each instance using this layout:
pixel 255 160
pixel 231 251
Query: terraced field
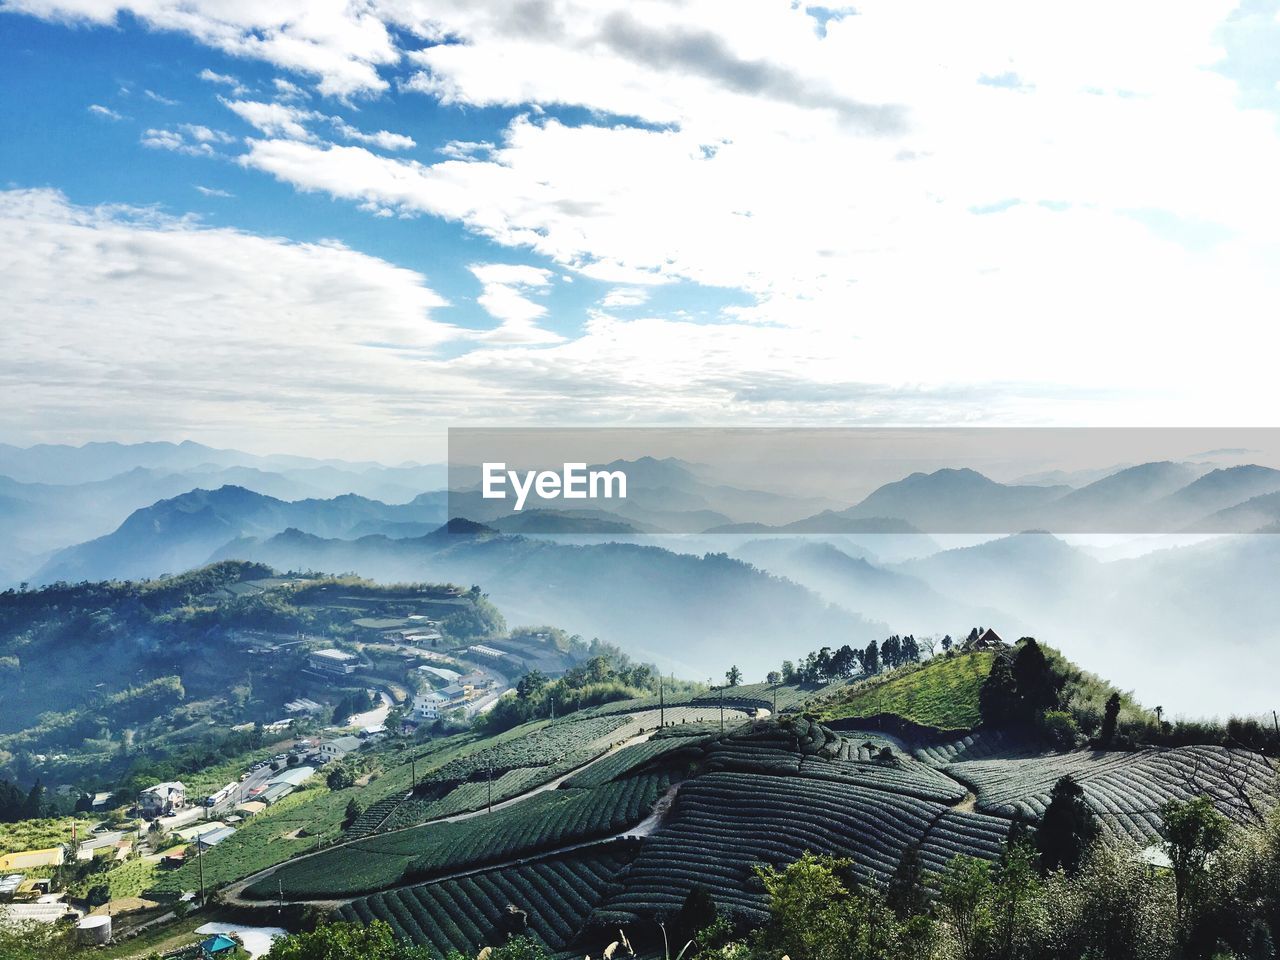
pixel 556 896
pixel 725 823
pixel 550 820
pixel 1126 790
pixel 520 764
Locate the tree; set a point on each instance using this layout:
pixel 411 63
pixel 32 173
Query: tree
pixel 773 677
pixel 788 671
pixel 815 915
pixel 845 661
pixel 891 651
pixel 531 684
pixel 98 894
pixel 871 659
pixel 339 778
pixel 998 696
pixel 1034 680
pixel 1193 832
pixel 733 676
pixel 1110 715
pixel 910 649
pixel 906 895
pixel 1067 828
pixel 348 941
pixel 352 814
pixel 946 643
pixel 696 913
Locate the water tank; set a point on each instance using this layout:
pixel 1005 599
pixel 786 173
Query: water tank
pixel 94 930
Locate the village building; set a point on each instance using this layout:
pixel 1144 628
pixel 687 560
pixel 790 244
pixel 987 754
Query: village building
pixel 339 747
pixel 162 799
pixel 332 661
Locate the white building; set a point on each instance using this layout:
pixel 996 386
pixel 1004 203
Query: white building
pixel 429 705
pixel 331 660
pixel 339 747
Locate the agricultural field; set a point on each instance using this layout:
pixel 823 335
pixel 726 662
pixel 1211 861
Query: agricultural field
pixel 521 763
pixel 301 822
pixel 1125 790
pixel 942 693
pixel 556 896
pixel 723 824
pixel 549 820
pixel 659 750
pixel 980 745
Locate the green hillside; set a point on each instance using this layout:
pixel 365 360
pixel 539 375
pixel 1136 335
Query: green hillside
pixel 941 693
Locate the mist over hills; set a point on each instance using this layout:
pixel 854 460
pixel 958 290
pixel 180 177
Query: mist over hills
pixel 608 568
pixel 687 613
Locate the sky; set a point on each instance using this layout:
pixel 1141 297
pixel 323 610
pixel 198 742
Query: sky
pixel 340 228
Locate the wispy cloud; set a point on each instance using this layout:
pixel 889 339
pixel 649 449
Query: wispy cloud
pixel 213 192
pixel 225 80
pixel 98 110
pixel 158 98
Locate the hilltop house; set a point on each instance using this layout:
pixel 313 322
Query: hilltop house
pixel 988 640
pixel 162 799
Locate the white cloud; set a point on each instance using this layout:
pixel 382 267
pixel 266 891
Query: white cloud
pixel 98 110
pixel 160 139
pixel 225 80
pixel 505 289
pixel 625 297
pixel 275 119
pixel 203 134
pixel 341 44
pixel 287 90
pixel 213 192
pixel 382 139
pixel 158 98
pixel 195 325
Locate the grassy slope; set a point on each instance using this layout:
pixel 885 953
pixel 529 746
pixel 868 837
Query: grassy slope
pixel 942 693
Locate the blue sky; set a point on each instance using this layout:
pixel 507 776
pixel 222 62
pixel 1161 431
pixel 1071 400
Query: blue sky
pixel 308 225
pixel 54 75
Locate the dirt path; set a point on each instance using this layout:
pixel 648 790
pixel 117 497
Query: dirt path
pixel 968 804
pixel 233 893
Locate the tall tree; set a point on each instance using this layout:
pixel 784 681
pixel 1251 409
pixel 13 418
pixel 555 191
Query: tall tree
pixel 733 676
pixel 891 651
pixel 998 696
pixel 1110 715
pixel 1193 832
pixel 1067 828
pixel 1036 683
pixel 871 658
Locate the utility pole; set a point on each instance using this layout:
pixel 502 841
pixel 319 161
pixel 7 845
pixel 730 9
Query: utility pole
pixel 200 867
pixel 279 896
pixel 722 709
pixel 413 774
pixel 662 714
pixel 491 785
pixel 1275 720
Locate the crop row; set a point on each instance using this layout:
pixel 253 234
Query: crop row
pixel 724 824
pixel 775 750
pixel 550 820
pixel 664 751
pixel 468 913
pixel 981 745
pixel 1126 790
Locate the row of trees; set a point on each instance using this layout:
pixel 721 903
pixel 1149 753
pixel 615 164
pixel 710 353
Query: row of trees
pixel 841 663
